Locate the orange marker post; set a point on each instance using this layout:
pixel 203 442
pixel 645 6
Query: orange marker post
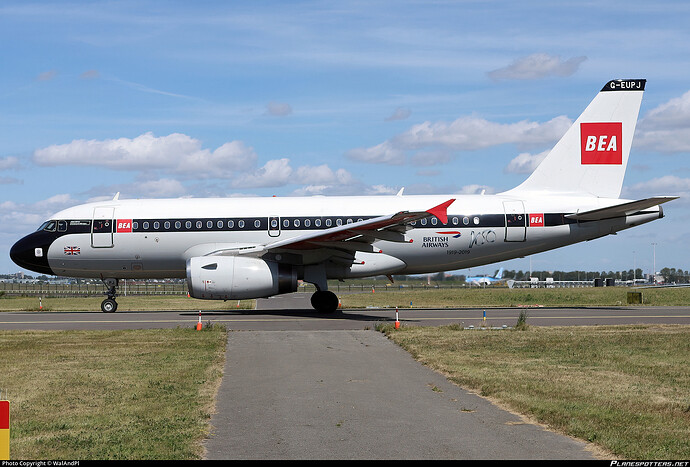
pixel 198 325
pixel 5 430
pixel 397 323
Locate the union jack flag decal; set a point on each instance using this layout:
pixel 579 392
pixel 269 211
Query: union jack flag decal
pixel 72 250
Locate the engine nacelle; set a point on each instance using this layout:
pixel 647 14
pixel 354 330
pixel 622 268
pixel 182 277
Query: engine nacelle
pixel 238 277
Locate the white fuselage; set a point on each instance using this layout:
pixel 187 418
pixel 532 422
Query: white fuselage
pixel 155 238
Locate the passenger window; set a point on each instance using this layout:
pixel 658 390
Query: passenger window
pixel 257 223
pixel 240 224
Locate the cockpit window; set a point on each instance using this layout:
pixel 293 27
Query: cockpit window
pixel 48 226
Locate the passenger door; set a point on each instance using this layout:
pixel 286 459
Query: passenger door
pixel 102 227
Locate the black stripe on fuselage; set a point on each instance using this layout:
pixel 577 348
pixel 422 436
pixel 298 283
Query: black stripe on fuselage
pixel 238 224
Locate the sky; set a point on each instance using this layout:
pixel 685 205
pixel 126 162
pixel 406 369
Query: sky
pixel 172 99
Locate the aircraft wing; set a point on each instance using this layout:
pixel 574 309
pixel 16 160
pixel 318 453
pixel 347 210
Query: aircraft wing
pixel 356 235
pixel 620 210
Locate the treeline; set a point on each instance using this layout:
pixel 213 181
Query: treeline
pixel 669 275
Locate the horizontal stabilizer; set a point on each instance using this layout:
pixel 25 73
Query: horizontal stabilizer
pixel 620 210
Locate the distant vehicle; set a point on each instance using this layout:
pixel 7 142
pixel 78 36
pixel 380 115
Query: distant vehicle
pixel 235 248
pixel 487 280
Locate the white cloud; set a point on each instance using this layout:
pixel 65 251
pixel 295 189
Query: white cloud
pixel 278 172
pixel 274 173
pixel 464 134
pixel 384 153
pixel 174 153
pixel 278 109
pixel 475 190
pixel 10 162
pixel 183 157
pixel 668 185
pixel 667 127
pixel 90 74
pixel 21 218
pixel 162 188
pixel 323 174
pixel 10 181
pixel 525 162
pixel 471 133
pixel 537 66
pixel 47 75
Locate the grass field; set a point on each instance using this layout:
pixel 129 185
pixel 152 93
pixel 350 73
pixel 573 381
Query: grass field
pixel 504 297
pixel 129 303
pixel 625 388
pixel 419 297
pixel 140 394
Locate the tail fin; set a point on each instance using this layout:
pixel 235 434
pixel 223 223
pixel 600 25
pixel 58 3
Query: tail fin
pixel 499 274
pixel 592 155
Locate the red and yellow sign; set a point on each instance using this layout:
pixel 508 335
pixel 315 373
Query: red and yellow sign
pixel 5 430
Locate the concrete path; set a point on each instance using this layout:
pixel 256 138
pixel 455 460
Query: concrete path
pixel 356 395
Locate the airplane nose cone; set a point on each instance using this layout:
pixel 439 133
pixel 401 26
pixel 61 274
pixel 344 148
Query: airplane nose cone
pixel 31 252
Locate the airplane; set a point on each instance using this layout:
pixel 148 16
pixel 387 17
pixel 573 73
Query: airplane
pixel 248 248
pixel 486 280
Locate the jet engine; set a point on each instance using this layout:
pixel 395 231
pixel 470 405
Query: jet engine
pixel 238 277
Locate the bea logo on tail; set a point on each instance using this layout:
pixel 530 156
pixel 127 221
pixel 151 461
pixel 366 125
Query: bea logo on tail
pixel 601 143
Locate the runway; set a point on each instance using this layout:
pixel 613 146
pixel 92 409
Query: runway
pixel 292 312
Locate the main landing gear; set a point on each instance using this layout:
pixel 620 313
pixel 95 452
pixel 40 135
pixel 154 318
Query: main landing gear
pixel 324 301
pixel 109 305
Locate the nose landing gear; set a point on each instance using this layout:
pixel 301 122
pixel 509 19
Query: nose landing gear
pixel 109 305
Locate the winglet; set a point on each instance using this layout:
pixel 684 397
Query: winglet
pixel 441 211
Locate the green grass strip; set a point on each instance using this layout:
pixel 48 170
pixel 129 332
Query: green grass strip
pixel 136 394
